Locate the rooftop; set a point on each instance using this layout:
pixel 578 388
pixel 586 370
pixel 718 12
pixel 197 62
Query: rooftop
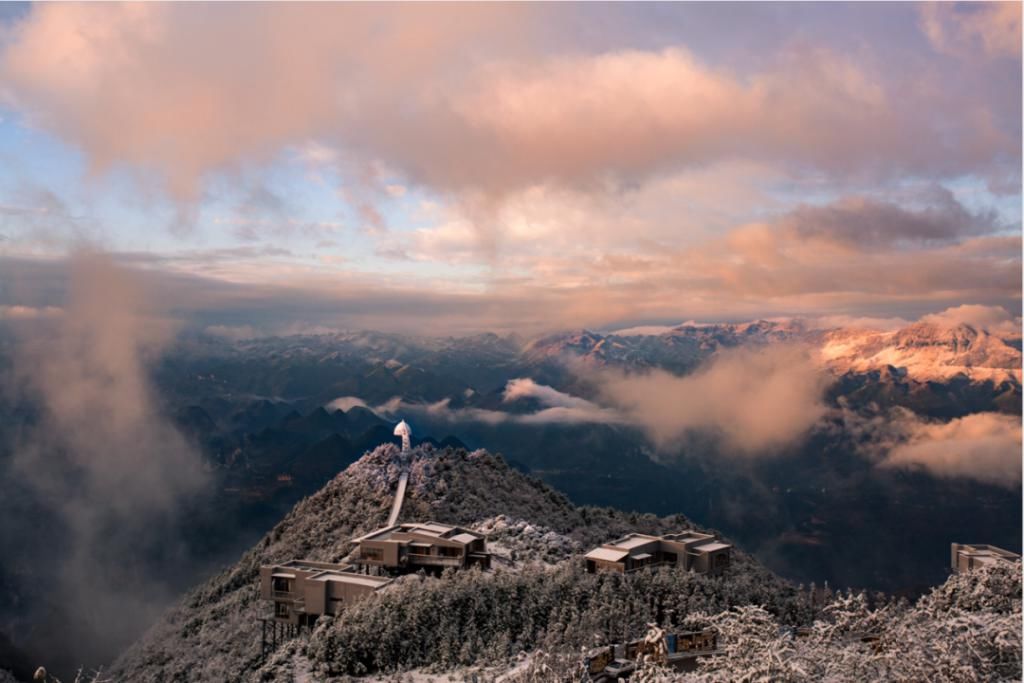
pixel 350 578
pixel 711 547
pixel 633 540
pixel 981 550
pixel 684 536
pixel 430 529
pixel 607 554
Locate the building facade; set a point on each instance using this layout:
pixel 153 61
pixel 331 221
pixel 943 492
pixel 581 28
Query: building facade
pixel 302 590
pixel 702 553
pixel 431 546
pixel 965 557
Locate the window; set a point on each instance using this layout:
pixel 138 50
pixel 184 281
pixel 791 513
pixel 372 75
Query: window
pixel 419 549
pixel 669 557
pixel 281 609
pixel 282 585
pixel 372 554
pixel 449 552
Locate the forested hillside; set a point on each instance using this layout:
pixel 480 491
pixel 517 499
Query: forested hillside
pixel 537 597
pixel 537 611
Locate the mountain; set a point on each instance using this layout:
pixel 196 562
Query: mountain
pixel 530 618
pixel 262 415
pixel 678 349
pixel 925 352
pixel 214 633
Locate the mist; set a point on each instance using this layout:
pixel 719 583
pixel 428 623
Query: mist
pixel 100 464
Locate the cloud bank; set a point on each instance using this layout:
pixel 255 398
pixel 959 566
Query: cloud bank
pixel 755 401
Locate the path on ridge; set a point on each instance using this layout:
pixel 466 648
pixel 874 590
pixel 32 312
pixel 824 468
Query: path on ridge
pixel 396 507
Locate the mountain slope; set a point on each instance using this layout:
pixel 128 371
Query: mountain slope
pixel 925 351
pixel 214 634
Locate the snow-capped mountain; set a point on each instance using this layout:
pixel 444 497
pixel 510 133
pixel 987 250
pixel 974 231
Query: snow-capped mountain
pixel 922 352
pixel 925 352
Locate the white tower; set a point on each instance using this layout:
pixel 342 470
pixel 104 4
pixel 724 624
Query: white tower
pixel 403 430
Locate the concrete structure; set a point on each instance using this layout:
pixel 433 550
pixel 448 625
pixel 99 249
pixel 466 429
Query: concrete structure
pixel 964 557
pixel 302 590
pixel 409 547
pixel 403 430
pixel 702 553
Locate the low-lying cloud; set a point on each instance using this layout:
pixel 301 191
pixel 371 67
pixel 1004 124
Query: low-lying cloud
pixel 346 403
pixel 755 401
pixel 556 407
pixel 985 447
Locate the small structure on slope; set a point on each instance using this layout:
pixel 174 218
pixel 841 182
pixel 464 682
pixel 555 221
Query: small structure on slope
pixel 403 430
pixel 679 651
pixel 410 547
pixel 302 590
pixel 702 553
pixel 965 557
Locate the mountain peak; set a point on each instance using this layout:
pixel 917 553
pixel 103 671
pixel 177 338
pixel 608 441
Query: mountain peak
pixel 214 634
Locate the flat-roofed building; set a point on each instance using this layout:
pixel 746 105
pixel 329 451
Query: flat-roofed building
pixel 964 556
pixel 691 550
pixel 428 545
pixel 302 590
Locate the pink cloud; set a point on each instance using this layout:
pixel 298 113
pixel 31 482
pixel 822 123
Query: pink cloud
pixel 440 93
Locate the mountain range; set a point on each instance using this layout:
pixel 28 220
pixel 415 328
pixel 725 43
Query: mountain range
pixel 274 419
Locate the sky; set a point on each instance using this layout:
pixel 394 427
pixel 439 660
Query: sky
pixel 277 168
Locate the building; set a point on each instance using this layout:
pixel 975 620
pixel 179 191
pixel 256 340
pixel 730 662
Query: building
pixel 302 590
pixel 410 547
pixel 964 557
pixel 702 553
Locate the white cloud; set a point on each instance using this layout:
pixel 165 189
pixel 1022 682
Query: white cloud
pixel 346 403
pixel 983 446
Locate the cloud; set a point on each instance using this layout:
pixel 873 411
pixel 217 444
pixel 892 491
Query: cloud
pixel 101 458
pixel 755 401
pixel 881 324
pixel 968 29
pixel 346 403
pixel 29 312
pixel 993 319
pixel 867 222
pixel 232 332
pixel 560 407
pixel 524 387
pixel 557 408
pixel 438 93
pixel 985 447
